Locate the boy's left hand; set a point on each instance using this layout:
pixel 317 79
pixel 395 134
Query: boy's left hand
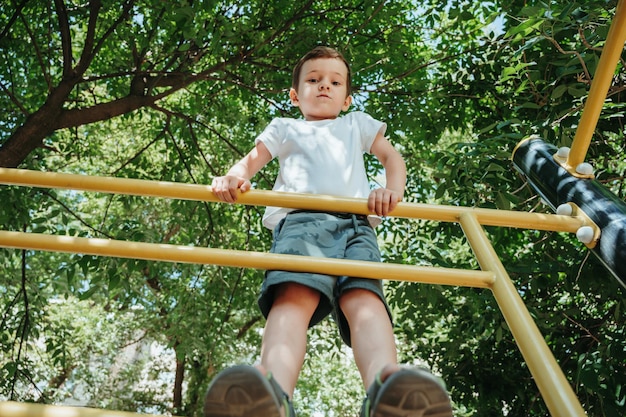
pixel 382 201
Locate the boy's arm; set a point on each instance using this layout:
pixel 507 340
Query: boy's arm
pixel 237 178
pixel 383 200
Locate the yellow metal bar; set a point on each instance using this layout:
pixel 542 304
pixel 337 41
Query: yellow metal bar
pixel 600 85
pixel 15 409
pixel 257 260
pixel 554 387
pixel 491 217
pixel 164 189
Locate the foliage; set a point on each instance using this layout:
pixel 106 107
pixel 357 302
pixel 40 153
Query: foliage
pixel 176 91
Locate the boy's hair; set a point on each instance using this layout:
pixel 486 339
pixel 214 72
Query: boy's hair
pixel 321 52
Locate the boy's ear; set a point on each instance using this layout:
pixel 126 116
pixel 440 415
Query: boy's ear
pixel 346 104
pixel 293 96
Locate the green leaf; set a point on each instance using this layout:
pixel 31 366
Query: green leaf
pixel 577 92
pixel 502 202
pixel 88 294
pixel 523 29
pixel 559 91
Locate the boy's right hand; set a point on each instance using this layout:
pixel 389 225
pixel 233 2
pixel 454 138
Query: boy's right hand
pixel 227 188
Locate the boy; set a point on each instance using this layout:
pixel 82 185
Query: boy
pixel 323 154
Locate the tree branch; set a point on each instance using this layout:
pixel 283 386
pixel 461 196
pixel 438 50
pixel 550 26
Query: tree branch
pixel 104 111
pixel 66 37
pixel 559 48
pixel 91 47
pixel 42 62
pixel 24 324
pixel 76 216
pixel 14 99
pixel 16 14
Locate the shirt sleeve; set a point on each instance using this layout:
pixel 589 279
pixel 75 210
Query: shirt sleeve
pixel 272 136
pixel 369 128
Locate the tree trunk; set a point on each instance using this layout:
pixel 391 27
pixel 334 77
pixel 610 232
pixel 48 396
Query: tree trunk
pixel 30 135
pixel 178 384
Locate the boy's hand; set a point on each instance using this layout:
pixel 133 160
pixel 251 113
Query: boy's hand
pixel 226 188
pixel 382 201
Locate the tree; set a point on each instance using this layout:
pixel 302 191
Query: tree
pixel 177 92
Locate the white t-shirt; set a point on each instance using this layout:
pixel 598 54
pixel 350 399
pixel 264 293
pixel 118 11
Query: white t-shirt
pixel 320 157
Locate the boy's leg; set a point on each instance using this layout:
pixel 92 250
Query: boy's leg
pixel 371 332
pixel 392 391
pixel 285 334
pixel 266 390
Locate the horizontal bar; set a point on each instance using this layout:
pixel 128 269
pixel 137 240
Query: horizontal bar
pixel 15 409
pixel 245 259
pixel 165 189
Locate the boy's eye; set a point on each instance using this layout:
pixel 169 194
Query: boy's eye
pixel 317 80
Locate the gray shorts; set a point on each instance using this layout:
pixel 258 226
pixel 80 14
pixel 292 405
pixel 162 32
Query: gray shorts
pixel 330 235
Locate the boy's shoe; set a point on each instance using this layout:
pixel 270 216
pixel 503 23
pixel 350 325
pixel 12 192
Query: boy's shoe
pixel 408 391
pixel 243 391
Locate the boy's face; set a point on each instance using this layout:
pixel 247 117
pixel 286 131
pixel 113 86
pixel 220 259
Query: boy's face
pixel 322 90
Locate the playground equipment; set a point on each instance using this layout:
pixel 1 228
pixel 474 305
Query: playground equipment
pixel 564 192
pixel 560 177
pixel 15 409
pixel 553 385
pixel 566 182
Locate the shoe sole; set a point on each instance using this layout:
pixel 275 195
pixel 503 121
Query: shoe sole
pixel 241 391
pixel 412 393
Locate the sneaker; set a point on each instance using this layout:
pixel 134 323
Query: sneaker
pixel 409 391
pixel 243 391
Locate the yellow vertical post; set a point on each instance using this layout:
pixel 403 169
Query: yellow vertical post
pixel 554 387
pixel 600 85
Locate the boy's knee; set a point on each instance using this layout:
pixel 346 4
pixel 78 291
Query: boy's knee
pixel 294 293
pixel 359 299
